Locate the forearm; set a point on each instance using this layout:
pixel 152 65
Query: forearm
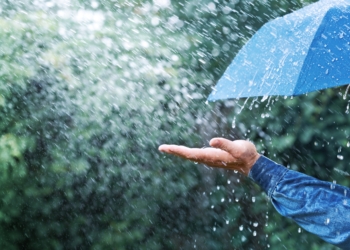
pixel 319 207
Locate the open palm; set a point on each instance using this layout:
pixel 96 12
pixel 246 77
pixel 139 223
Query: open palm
pixel 237 155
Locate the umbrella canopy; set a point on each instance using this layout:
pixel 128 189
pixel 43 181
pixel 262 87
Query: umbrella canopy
pixel 301 52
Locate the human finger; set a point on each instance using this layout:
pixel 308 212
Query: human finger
pixel 209 156
pixel 235 148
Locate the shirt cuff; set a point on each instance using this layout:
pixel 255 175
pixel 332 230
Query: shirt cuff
pixel 267 174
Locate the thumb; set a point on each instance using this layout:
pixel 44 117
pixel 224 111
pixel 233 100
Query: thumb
pixel 235 148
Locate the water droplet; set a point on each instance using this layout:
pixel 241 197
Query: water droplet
pixel 346 93
pixel 254 233
pixel 326 222
pixel 255 224
pixel 222 200
pixel 253 199
pixel 240 228
pixel 227 222
pixel 234 123
pixel 265 97
pixel 228 181
pixel 214 229
pixel 299 230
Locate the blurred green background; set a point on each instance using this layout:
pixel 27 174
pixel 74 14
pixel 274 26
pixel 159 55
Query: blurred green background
pixel 89 89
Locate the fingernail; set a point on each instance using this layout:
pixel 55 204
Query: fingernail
pixel 214 142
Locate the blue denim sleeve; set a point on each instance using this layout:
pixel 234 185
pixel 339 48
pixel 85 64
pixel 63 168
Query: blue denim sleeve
pixel 320 207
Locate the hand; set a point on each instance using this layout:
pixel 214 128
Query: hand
pixel 237 155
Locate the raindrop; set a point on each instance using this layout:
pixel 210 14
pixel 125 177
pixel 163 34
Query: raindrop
pixel 94 5
pixel 211 6
pixel 228 181
pixel 162 3
pixel 253 199
pixel 265 97
pixel 299 230
pixel 340 157
pixel 254 233
pixel 175 58
pixel 327 221
pixel 234 123
pixel 227 222
pixel 346 93
pixel 222 200
pixel 255 224
pixel 240 228
pixel 214 229
pixel 226 10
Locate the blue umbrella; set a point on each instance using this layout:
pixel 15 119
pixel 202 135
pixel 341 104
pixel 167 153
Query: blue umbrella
pixel 304 51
